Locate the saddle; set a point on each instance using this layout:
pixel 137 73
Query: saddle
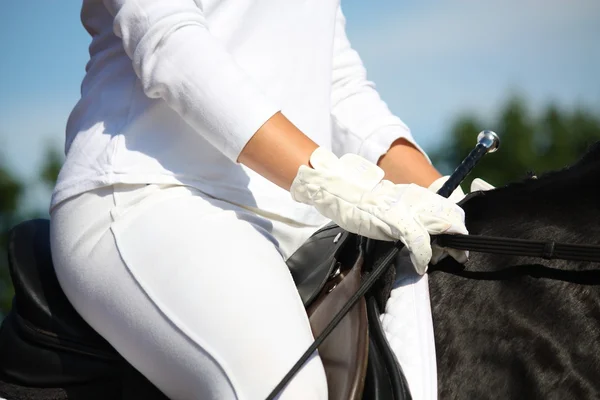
pixel 44 342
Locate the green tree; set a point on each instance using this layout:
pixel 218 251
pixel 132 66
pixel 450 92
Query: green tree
pixel 12 191
pixel 53 160
pixel 552 140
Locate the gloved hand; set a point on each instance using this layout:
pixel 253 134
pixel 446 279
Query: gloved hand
pixel 439 253
pixel 455 197
pixel 352 193
pixel 478 184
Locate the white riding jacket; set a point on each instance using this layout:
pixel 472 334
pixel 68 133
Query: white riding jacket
pixel 175 89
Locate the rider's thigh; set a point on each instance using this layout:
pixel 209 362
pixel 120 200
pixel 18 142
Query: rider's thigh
pixel 192 292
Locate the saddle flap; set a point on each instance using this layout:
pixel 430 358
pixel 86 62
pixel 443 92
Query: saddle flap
pixel 345 351
pixel 314 262
pixel 39 299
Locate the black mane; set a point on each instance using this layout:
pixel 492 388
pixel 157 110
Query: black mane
pixel 577 177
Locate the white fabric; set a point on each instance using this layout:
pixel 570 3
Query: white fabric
pixel 408 326
pixel 439 253
pixel 172 93
pixel 175 89
pixel 352 193
pixel 455 197
pixel 193 291
pixel 407 320
pixel 479 184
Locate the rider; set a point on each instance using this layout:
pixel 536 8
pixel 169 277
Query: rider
pixel 202 153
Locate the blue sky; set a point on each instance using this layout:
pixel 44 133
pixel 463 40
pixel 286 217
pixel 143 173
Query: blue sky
pixel 430 61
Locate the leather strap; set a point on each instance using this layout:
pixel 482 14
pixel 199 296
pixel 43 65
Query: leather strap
pixel 367 283
pixel 520 247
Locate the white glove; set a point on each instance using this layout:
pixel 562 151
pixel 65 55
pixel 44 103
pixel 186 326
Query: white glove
pixel 480 185
pixel 477 185
pixel 439 253
pixel 455 197
pixel 352 193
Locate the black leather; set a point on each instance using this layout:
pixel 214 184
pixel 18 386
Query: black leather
pixel 39 297
pixel 43 341
pixel 385 379
pixel 311 265
pixel 314 262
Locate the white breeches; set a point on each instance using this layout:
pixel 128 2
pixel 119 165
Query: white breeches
pixel 194 292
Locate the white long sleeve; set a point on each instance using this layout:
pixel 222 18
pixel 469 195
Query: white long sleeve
pixel 174 89
pixel 364 124
pixel 177 59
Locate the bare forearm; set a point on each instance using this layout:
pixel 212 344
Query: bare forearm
pixel 403 163
pixel 277 150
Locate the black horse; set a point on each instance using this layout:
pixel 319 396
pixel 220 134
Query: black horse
pixel 514 327
pixel 505 327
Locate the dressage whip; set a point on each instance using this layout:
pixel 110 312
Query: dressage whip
pixel 487 142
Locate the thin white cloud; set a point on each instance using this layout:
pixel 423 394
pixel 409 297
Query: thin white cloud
pixel 433 61
pixel 456 27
